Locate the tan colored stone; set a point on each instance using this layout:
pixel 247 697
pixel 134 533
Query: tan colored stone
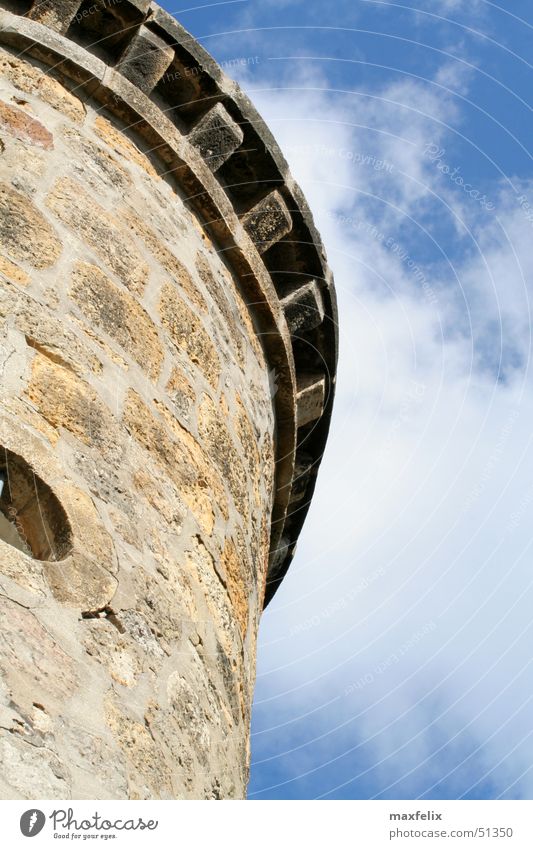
pixel 198 561
pixel 30 658
pixel 179 274
pixel 222 450
pixel 66 401
pixel 148 773
pixel 24 570
pixel 189 334
pixel 64 354
pixel 32 771
pixel 209 479
pixel 181 393
pixel 117 313
pixel 32 80
pixel 25 234
pixel 100 230
pixel 13 272
pixel 90 537
pixel 81 582
pixel 103 641
pixel 182 459
pixel 94 163
pixel 223 292
pixel 236 584
pixel 31 418
pixel 247 436
pixel 106 349
pixel 121 144
pixel 162 495
pixel 22 126
pixel 49 335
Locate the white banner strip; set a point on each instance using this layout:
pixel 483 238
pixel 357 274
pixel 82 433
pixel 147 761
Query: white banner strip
pixel 269 825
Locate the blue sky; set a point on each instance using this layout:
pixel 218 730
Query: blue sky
pixel 395 660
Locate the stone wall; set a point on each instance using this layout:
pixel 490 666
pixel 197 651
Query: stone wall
pixel 136 390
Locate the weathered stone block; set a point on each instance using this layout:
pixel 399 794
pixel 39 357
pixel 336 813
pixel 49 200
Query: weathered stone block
pixel 303 469
pixel 145 59
pixel 122 145
pixel 95 163
pixel 32 80
pixel 22 126
pixel 268 221
pixel 25 234
pixel 156 245
pixel 44 332
pixel 181 393
pixel 278 556
pixel 81 583
pixel 148 775
pixel 118 314
pixel 216 136
pixel 183 461
pixel 236 583
pixel 13 272
pixel 304 308
pixel 66 401
pixel 56 14
pixel 188 333
pixel 310 398
pixel 79 211
pixel 220 446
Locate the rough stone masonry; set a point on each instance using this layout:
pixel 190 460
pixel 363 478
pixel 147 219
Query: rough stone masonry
pixel 167 363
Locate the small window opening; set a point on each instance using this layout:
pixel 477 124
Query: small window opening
pixel 32 519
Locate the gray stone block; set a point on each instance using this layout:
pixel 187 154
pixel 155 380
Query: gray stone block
pixel 268 221
pixel 216 136
pixel 303 469
pixel 55 14
pixel 145 59
pixel 304 308
pixel 310 398
pixel 277 558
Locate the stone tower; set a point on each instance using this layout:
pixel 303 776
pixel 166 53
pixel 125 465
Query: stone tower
pixel 167 358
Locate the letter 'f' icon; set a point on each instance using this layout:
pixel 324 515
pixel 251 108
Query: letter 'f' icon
pixel 32 822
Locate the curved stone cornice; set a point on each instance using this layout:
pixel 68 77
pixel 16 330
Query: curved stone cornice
pixel 136 60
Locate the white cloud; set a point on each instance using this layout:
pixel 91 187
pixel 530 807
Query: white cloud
pixel 411 592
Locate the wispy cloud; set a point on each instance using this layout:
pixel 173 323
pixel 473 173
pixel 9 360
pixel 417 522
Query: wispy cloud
pixel 399 642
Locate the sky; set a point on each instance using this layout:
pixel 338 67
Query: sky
pixel 395 660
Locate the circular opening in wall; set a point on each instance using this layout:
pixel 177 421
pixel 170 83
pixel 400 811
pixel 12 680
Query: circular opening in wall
pixel 31 517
